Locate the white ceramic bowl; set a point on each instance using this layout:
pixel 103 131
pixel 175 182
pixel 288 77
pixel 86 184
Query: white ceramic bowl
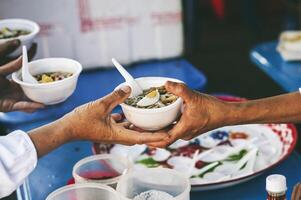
pixel 26 40
pixel 55 92
pixel 152 119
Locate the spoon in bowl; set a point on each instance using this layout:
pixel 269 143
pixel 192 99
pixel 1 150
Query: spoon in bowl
pixel 136 88
pixel 26 76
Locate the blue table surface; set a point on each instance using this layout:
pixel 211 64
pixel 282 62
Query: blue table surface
pixel 286 74
pixel 55 169
pixel 95 84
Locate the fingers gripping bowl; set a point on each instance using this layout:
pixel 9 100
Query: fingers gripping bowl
pixel 52 92
pixel 152 118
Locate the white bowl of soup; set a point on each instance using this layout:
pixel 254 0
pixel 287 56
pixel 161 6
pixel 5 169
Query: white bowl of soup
pixel 57 80
pixel 21 29
pixel 158 115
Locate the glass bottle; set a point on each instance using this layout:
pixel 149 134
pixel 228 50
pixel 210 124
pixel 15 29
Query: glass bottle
pixel 276 187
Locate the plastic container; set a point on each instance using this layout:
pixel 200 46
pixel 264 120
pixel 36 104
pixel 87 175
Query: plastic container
pixel 26 40
pixel 55 92
pixel 152 119
pixel 88 191
pixel 105 169
pixel 161 179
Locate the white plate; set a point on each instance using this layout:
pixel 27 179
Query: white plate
pixel 277 140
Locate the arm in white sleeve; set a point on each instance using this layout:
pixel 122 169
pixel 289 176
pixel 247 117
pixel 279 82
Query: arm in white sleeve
pixel 18 158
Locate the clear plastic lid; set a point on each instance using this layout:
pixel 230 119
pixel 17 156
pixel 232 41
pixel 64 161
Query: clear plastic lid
pixel 159 183
pixel 87 191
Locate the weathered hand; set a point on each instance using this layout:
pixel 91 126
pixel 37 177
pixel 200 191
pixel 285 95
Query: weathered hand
pixel 201 113
pixel 93 121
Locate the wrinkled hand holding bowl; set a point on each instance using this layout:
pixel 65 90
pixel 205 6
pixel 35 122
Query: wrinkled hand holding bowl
pixel 26 40
pixel 156 118
pixel 55 92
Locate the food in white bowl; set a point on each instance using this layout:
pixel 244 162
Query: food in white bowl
pixel 50 93
pixel 154 97
pixel 52 76
pixel 21 29
pixel 6 33
pixel 152 114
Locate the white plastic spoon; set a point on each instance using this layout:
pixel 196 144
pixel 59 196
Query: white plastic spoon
pixel 136 89
pixel 26 76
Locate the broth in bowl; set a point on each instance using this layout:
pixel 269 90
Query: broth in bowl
pixel 154 97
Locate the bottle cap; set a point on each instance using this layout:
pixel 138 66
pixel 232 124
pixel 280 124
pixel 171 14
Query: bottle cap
pixel 276 183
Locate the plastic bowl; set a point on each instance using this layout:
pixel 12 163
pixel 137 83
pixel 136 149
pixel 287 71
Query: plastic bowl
pixel 105 169
pixel 88 191
pixel 152 119
pixel 26 40
pixel 161 179
pixel 55 92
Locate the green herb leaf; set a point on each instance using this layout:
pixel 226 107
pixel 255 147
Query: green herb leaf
pixel 148 162
pixel 236 157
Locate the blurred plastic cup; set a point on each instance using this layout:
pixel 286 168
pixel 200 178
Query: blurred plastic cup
pixel 88 191
pixel 160 179
pixel 105 169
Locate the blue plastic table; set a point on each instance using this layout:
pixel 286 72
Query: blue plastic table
pixel 54 170
pixel 286 74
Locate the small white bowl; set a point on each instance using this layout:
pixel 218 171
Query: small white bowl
pixel 26 40
pixel 55 92
pixel 152 119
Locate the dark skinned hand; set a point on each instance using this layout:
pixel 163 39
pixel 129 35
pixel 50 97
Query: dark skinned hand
pixel 12 97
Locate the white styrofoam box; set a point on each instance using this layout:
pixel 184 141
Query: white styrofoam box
pixel 94 31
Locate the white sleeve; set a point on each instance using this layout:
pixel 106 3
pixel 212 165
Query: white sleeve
pixel 18 158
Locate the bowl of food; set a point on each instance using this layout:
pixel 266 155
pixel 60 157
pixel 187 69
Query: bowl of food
pixel 57 79
pixel 155 108
pixel 21 29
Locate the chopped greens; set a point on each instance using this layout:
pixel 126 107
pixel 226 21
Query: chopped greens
pixel 6 33
pixel 148 162
pixel 236 157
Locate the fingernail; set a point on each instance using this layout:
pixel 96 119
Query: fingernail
pixel 16 42
pixel 125 89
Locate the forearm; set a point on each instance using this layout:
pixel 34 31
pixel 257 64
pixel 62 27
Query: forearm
pixel 49 137
pixel 279 109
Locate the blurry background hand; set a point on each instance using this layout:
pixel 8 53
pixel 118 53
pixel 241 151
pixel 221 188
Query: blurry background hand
pixel 12 97
pixel 201 113
pixel 10 46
